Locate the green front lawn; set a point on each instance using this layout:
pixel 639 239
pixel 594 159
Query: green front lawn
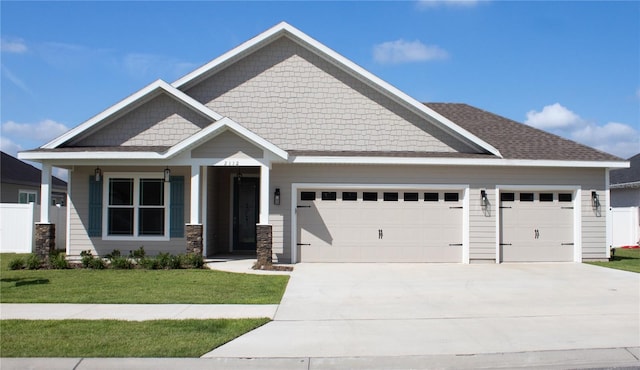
pixel 137 286
pixel 112 338
pixel 624 259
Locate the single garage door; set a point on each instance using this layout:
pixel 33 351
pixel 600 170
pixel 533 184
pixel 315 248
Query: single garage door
pixel 357 225
pixel 536 226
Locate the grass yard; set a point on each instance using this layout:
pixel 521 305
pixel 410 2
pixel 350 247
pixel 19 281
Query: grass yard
pixel 137 286
pixel 624 259
pixel 112 338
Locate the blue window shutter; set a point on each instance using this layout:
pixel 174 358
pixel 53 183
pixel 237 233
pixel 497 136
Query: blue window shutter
pixel 176 207
pixel 95 207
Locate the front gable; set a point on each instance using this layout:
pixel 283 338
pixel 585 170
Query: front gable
pixel 227 145
pixel 160 121
pixel 299 101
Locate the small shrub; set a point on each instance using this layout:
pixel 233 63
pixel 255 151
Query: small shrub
pixel 58 261
pixel 122 263
pixel 148 263
pixel 138 254
pixel 96 263
pixel 33 262
pixel 194 261
pixel 164 260
pixel 175 262
pixel 16 264
pixel 86 258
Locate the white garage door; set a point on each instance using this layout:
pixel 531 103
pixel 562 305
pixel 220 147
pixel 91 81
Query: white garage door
pixel 536 226
pixel 358 225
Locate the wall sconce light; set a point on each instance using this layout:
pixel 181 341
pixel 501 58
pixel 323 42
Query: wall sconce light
pixel 167 174
pixel 483 198
pixel 276 197
pixel 98 173
pixel 595 200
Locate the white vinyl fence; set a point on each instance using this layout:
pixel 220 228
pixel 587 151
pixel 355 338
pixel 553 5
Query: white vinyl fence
pixel 17 226
pixel 625 226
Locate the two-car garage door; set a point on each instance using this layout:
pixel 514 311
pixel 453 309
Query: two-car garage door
pixel 372 225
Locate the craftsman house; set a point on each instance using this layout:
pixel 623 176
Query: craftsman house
pixel 283 142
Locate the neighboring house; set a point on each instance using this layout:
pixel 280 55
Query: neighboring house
pixel 20 183
pixel 625 184
pixel 283 141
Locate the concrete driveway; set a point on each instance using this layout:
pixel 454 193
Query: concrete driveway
pixel 340 310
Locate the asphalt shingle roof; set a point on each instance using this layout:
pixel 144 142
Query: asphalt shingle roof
pixel 516 140
pixel 626 175
pixel 15 171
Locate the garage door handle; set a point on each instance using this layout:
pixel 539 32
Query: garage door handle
pixel 380 234
pixel 303 207
pixel 303 244
pixel 455 245
pixel 506 244
pixel 566 243
pixel 455 207
pixel 504 207
pixel 566 207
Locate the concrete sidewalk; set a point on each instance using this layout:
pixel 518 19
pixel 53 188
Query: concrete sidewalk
pixel 134 312
pixel 609 358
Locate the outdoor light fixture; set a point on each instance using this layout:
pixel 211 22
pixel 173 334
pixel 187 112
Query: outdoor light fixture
pixel 98 174
pixel 276 197
pixel 595 200
pixel 167 174
pixel 483 198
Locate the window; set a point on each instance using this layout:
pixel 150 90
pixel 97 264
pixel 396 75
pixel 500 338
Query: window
pixel 27 196
pixel 507 197
pixel 370 196
pixel 349 195
pixel 390 197
pixel 431 197
pixel 564 197
pixel 329 195
pixel 308 195
pixel 136 206
pixel 546 197
pixel 526 197
pixel 410 197
pixel 451 197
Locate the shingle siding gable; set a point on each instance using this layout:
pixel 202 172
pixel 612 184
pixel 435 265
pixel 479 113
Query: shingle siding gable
pixel 163 121
pixel 299 101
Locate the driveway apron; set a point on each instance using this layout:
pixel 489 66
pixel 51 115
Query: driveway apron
pixel 336 310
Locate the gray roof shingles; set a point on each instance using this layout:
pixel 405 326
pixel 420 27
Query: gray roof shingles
pixel 15 171
pixel 626 175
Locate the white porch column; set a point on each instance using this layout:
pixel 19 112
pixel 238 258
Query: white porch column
pixel 45 193
pixel 264 195
pixel 195 195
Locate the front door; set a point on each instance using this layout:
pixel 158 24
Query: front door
pixel 246 200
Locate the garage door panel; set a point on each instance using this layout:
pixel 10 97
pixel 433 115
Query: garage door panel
pixel 380 231
pixel 535 231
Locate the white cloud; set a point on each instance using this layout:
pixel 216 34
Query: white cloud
pixel 16 81
pixel 616 138
pixel 42 131
pixel 401 51
pixel 425 4
pixel 552 116
pixel 143 64
pixel 14 46
pixel 9 147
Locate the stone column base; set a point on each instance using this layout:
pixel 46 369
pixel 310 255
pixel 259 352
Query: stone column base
pixel 264 248
pixel 45 240
pixel 194 238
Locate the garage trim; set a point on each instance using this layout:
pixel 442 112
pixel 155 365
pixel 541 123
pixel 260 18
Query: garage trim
pixel 577 213
pixel 295 187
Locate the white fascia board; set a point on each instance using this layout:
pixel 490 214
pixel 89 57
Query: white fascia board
pixel 43 156
pixel 343 63
pixel 220 126
pixel 145 92
pixel 455 161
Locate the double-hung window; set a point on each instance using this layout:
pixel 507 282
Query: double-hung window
pixel 136 207
pixel 27 196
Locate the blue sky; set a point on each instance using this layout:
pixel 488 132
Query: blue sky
pixel 572 68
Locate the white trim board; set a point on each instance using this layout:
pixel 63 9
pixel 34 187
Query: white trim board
pixel 295 187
